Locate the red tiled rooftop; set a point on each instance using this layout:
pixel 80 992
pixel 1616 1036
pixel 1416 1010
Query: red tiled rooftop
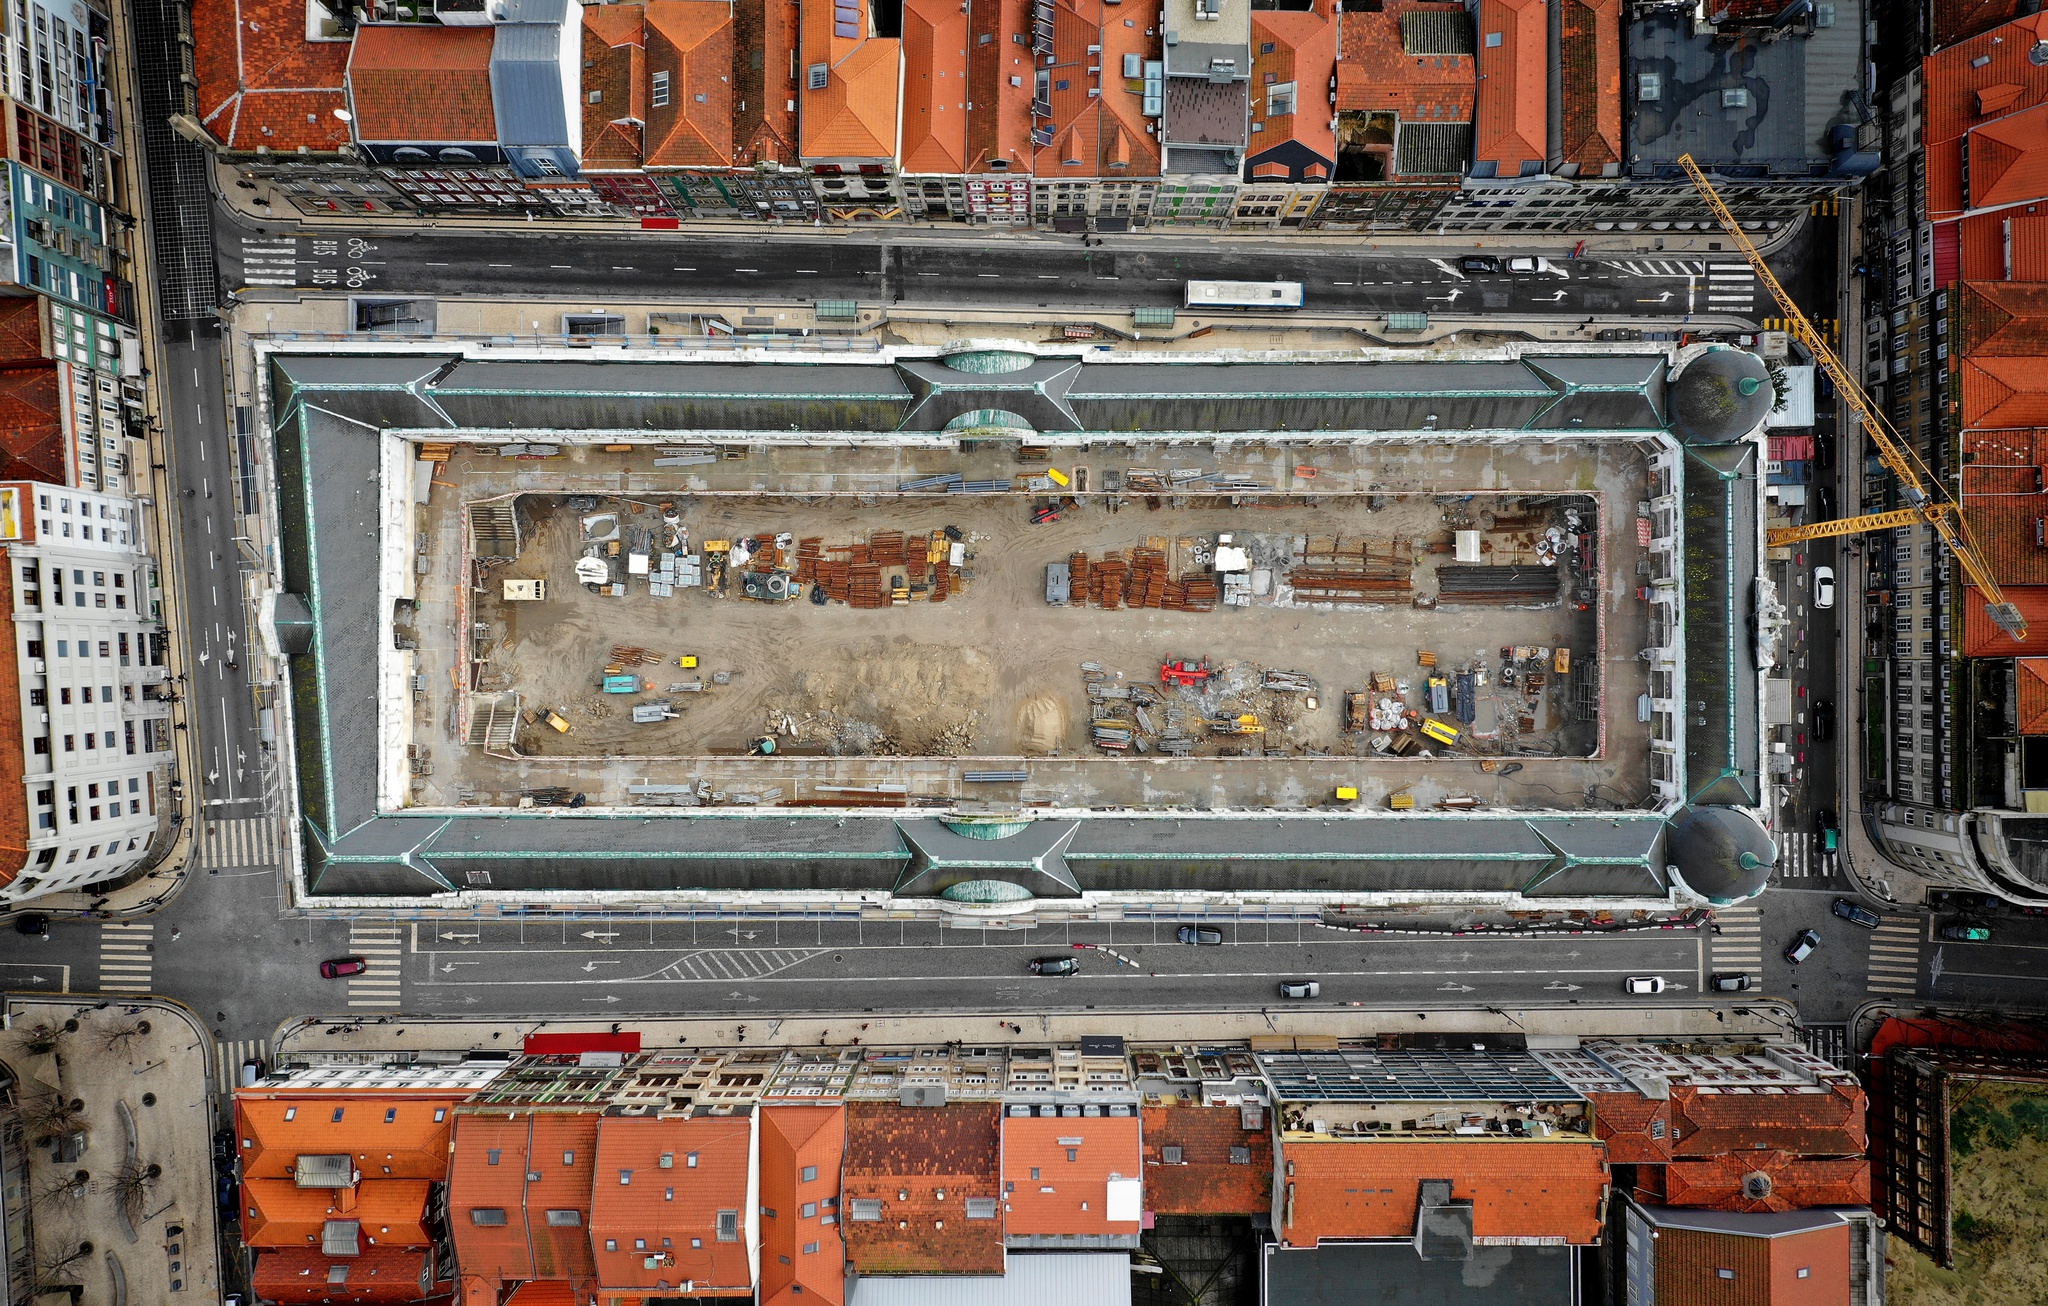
pixel 1957 20
pixel 1547 1189
pixel 854 115
pixel 934 86
pixel 32 443
pixel 904 1158
pixel 388 1135
pixel 1767 1181
pixel 1059 1173
pixel 691 41
pixel 1983 639
pixel 493 1154
pixel 642 1210
pixel 422 84
pixel 1708 1123
pixel 2033 696
pixel 2003 320
pixel 1589 48
pixel 1690 1263
pixel 2009 159
pixel 2003 498
pixel 1635 1128
pixel 2008 245
pixel 261 82
pixel 1376 74
pixel 615 72
pixel 1963 94
pixel 279 1213
pixel 764 100
pixel 1205 1181
pixel 803 1258
pixel 1514 98
pixel 1304 54
pixel 380 1275
pixel 998 113
pixel 1105 135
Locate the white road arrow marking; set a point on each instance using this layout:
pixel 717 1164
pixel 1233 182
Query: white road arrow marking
pixel 1455 988
pixel 605 935
pixel 450 966
pixel 589 966
pixel 1563 987
pixel 606 998
pixel 465 938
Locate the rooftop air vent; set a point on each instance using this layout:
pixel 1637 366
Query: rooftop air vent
pixel 1649 87
pixel 1735 97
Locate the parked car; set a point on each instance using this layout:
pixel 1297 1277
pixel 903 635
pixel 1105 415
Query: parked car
pixel 1200 934
pixel 1823 587
pixel 1644 984
pixel 252 1070
pixel 1823 720
pixel 1728 983
pixel 1528 266
pixel 1300 989
pixel 1966 932
pixel 342 967
pixel 1803 944
pixel 1981 904
pixel 1479 263
pixel 1068 965
pixel 33 925
pixel 225 1192
pixel 1857 913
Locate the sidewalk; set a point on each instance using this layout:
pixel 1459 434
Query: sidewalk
pixel 1601 1018
pixel 134 1080
pixel 282 212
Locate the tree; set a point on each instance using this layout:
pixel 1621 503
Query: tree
pixel 119 1037
pixel 46 1113
pixel 130 1186
pixel 66 1190
pixel 39 1039
pixel 54 1273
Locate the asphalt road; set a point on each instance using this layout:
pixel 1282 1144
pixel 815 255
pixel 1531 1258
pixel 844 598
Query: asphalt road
pixel 1044 273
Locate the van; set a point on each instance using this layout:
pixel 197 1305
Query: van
pixel 252 1070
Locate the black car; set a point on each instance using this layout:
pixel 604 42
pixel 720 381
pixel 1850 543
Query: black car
pixel 1802 946
pixel 1857 914
pixel 1068 965
pixel 1728 983
pixel 1823 721
pixel 225 1192
pixel 1478 263
pixel 1825 818
pixel 33 925
pixel 1200 934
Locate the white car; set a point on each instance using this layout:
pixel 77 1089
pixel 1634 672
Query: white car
pixel 1649 985
pixel 1300 989
pixel 1530 266
pixel 1823 587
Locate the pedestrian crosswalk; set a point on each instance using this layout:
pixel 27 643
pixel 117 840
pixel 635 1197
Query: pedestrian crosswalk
pixel 250 841
pixel 229 1056
pixel 127 956
pixel 1894 969
pixel 1662 267
pixel 1827 326
pixel 1738 946
pixel 1801 856
pixel 382 947
pixel 1827 208
pixel 1731 288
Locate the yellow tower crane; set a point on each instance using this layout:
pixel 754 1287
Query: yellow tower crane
pixel 1928 504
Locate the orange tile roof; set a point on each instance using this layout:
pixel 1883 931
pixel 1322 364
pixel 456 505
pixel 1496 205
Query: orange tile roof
pixel 1962 94
pixel 390 1135
pixel 1057 1172
pixel 803 1258
pixel 1376 74
pixel 1625 1122
pixel 670 1215
pixel 2033 696
pixel 1956 20
pixel 1788 1183
pixel 691 41
pixel 2009 158
pixel 279 1213
pixel 1549 1189
pixel 494 1152
pixel 409 83
pixel 999 113
pixel 2004 391
pixel 615 71
pixel 1205 1181
pixel 2003 320
pixel 934 86
pixel 1982 639
pixel 32 443
pixel 261 82
pixel 1589 48
pixel 542 1292
pixel 1304 53
pixel 1690 1261
pixel 854 116
pixel 2008 245
pixel 765 97
pixel 1514 95
pixel 380 1275
pixel 2003 473
pixel 1708 1123
pixel 922 1164
pixel 1100 135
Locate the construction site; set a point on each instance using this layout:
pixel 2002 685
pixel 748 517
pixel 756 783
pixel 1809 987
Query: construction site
pixel 1161 619
pixel 998 617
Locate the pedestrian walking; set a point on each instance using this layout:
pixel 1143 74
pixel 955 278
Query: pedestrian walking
pixel 176 933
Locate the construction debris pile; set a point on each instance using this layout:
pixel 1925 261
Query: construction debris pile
pixel 1329 569
pixel 1190 703
pixel 1140 581
pixel 1440 709
pixel 889 569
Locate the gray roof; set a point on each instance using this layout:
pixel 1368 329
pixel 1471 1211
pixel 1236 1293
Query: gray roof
pixel 1722 854
pixel 1752 1224
pixel 1029 1279
pixel 1202 112
pixel 526 84
pixel 1332 1275
pixel 1432 149
pixel 1185 58
pixel 1723 736
pixel 1436 31
pixel 1722 395
pixel 1794 88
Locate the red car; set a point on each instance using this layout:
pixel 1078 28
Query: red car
pixel 343 966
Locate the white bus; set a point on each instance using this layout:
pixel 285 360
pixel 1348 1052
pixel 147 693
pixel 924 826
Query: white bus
pixel 1244 294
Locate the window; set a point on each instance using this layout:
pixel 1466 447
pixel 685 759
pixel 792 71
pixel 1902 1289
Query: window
pixel 625 1177
pixel 661 89
pixel 390 1115
pixel 1724 1273
pixel 981 1208
pixel 865 1208
pixel 817 76
pixel 808 1210
pixel 487 1216
pixel 810 1249
pixel 337 1114
pixel 568 1158
pixel 1805 1272
pixel 810 1172
pixel 565 1219
pixel 440 1112
pixel 690 1160
pixel 491 1157
pixel 728 1226
pixel 769 1212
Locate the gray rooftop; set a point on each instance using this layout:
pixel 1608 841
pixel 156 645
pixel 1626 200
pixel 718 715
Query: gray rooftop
pixel 1332 1275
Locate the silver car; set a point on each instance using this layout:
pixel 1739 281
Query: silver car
pixel 1300 989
